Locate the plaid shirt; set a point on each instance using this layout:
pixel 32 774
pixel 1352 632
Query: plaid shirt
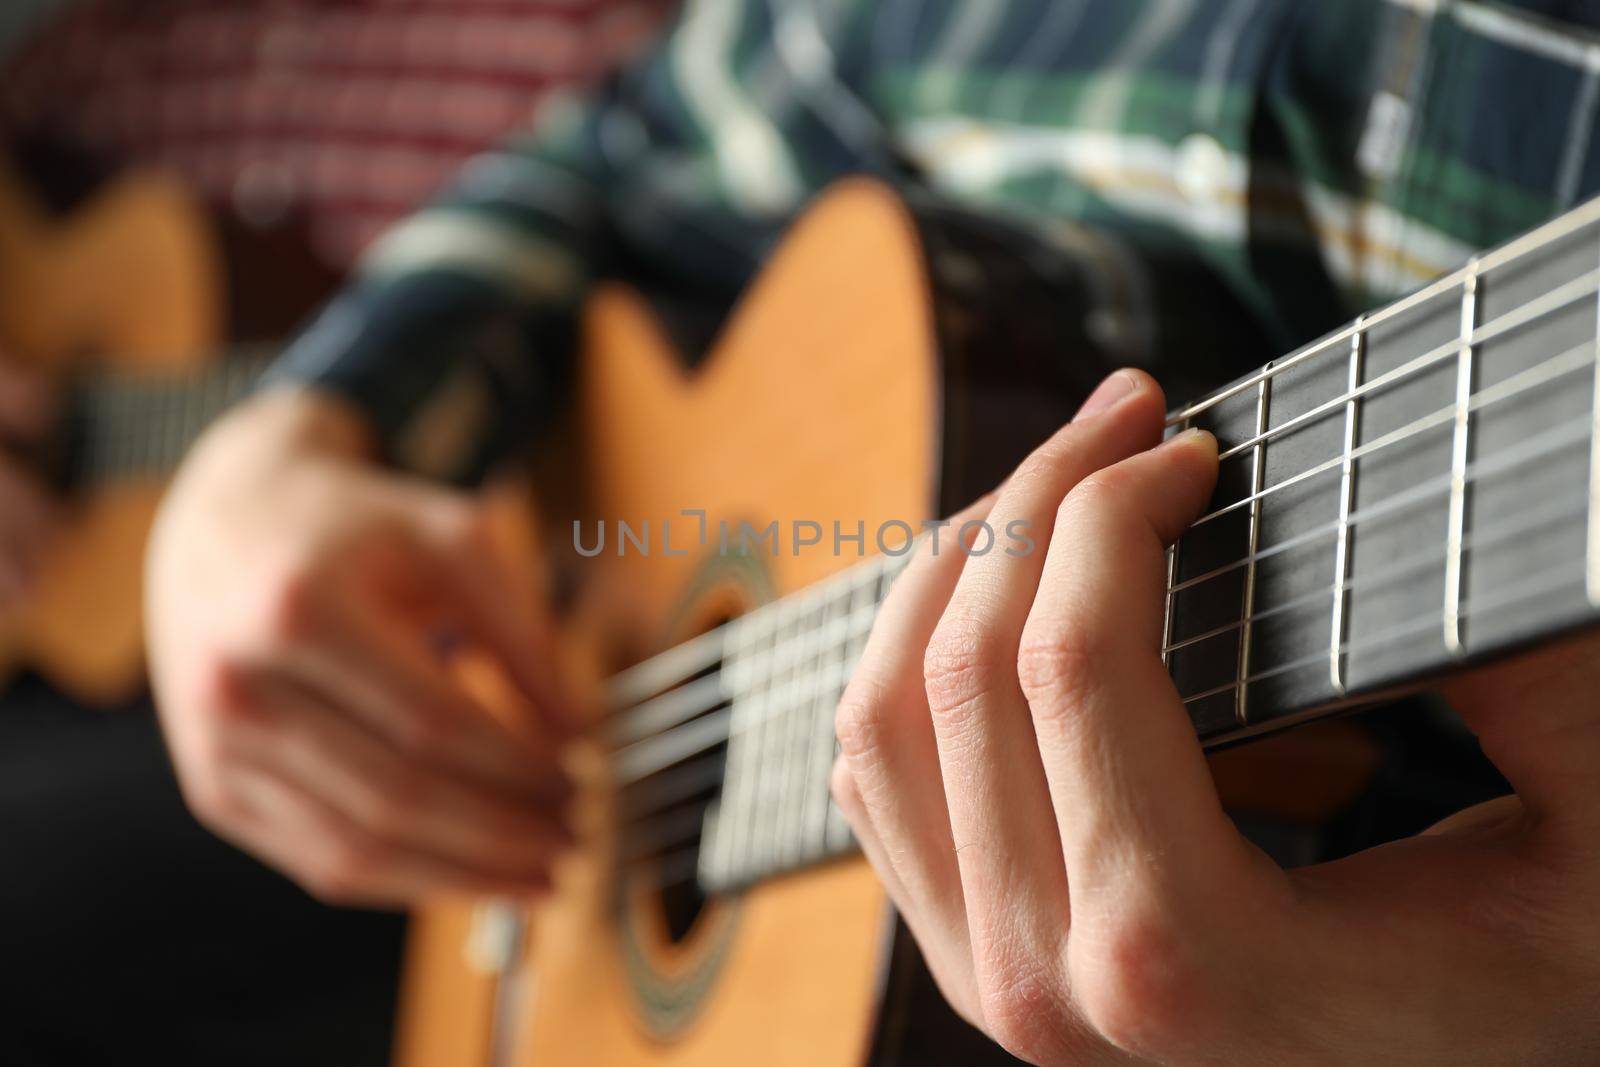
pixel 1312 157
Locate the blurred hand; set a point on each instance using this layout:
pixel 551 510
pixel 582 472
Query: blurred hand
pixel 1023 776
pixel 27 510
pixel 299 602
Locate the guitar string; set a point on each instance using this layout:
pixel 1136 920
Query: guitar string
pixel 1567 509
pixel 639 810
pixel 1506 254
pixel 1576 358
pixel 1478 266
pixel 705 733
pixel 1544 582
pixel 157 418
pixel 1562 435
pixel 639 679
pixel 708 648
pixel 1547 581
pixel 139 421
pixel 1532 313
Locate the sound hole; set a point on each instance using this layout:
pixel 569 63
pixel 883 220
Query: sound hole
pixel 663 814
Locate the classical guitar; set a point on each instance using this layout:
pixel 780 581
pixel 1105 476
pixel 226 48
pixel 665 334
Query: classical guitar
pixel 122 302
pixel 1411 493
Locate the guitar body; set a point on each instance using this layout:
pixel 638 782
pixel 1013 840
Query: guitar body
pixel 135 273
pixel 893 362
pixel 829 394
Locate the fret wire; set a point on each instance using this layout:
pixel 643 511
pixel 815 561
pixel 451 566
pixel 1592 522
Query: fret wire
pixel 628 688
pixel 1538 519
pixel 840 836
pixel 774 698
pixel 1544 582
pixel 1526 522
pixel 1459 450
pixel 1592 578
pixel 1451 349
pixel 717 860
pixel 784 830
pixel 1574 359
pixel 628 680
pixel 1171 596
pixel 770 729
pixel 1528 314
pixel 1347 482
pixel 1566 434
pixel 1563 435
pixel 1513 250
pixel 747 704
pixel 819 761
pixel 1258 472
pixel 1533 519
pixel 143 422
pixel 795 758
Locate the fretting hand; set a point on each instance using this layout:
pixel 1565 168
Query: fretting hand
pixel 297 595
pixel 1022 774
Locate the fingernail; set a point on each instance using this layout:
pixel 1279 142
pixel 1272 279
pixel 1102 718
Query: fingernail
pixel 1106 395
pixel 1191 437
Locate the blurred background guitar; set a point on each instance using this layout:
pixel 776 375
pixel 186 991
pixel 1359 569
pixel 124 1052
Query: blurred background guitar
pixel 123 306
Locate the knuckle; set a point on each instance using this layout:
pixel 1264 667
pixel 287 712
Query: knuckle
pixel 1057 666
pixel 469 529
pixel 294 608
pixel 842 784
pixel 424 734
pixel 860 719
pixel 1044 465
pixel 215 805
pixel 224 687
pixel 1135 983
pixel 397 810
pixel 1100 493
pixel 344 873
pixel 1024 1010
pixel 962 664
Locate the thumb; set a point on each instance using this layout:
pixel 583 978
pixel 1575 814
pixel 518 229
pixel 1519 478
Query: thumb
pixel 1538 721
pixel 500 606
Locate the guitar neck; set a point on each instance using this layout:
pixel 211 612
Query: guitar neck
pixel 133 426
pixel 1408 494
pixel 1411 493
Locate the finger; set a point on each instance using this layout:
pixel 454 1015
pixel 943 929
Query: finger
pixel 1132 794
pixel 312 746
pixel 27 403
pixel 949 961
pixel 27 520
pixel 1535 716
pixel 886 739
pixel 1010 862
pixel 500 609
pixel 380 673
pixel 339 862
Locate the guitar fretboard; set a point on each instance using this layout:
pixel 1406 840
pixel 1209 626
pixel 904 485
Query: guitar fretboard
pixel 1415 491
pixel 1408 493
pixel 140 425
